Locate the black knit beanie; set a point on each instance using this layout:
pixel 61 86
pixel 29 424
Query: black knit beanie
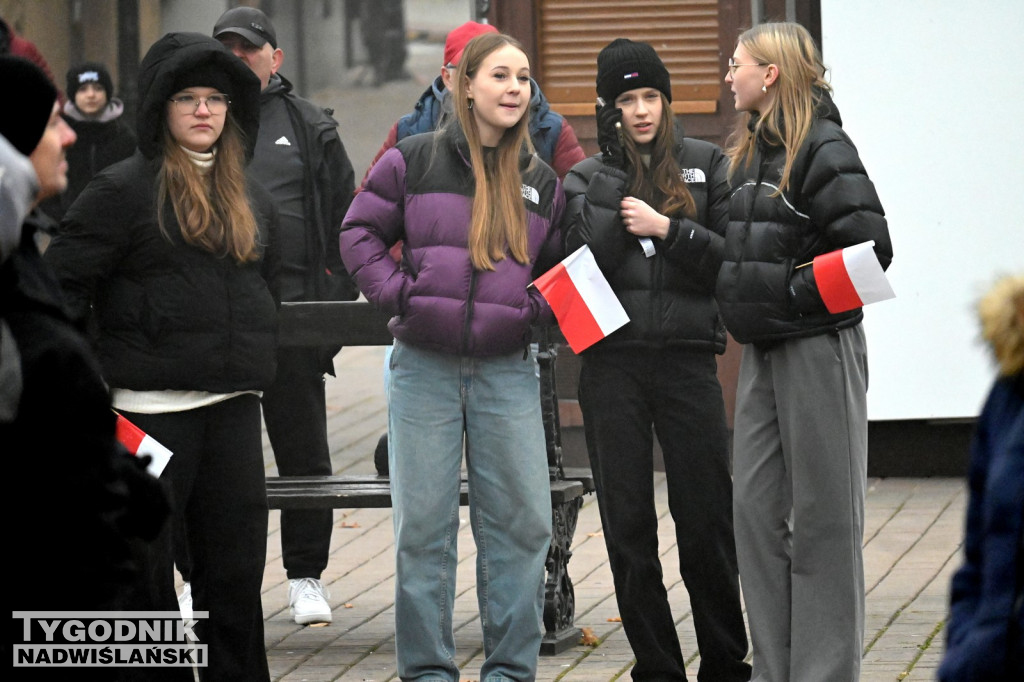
pixel 89 72
pixel 625 64
pixel 206 74
pixel 23 124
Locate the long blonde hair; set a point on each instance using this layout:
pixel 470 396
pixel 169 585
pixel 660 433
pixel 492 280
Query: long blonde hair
pixel 212 209
pixel 661 185
pixel 498 223
pixel 788 115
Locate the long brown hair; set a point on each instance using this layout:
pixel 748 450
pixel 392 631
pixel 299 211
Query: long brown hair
pixel 498 223
pixel 661 185
pixel 212 209
pixel 788 115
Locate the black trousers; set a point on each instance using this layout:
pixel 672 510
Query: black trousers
pixel 218 490
pixel 295 412
pixel 627 397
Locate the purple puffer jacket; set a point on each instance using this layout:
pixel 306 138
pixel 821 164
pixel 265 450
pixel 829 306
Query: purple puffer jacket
pixel 421 192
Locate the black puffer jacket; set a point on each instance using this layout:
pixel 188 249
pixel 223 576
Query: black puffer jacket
pixel 170 316
pixel 669 297
pixel 830 204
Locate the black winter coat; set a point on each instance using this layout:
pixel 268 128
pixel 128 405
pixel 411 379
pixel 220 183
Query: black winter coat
pixel 170 316
pixel 330 184
pixel 829 204
pixel 63 433
pixel 669 297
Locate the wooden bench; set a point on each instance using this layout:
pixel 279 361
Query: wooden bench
pixel 359 324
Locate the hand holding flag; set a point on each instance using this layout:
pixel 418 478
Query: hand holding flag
pixel 850 278
pixel 582 300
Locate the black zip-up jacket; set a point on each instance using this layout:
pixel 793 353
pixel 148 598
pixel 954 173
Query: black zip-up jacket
pixel 329 183
pixel 669 297
pixel 829 204
pixel 328 186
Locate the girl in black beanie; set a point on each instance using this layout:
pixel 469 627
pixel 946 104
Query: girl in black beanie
pixel 652 207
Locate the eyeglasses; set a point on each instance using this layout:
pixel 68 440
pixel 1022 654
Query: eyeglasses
pixel 189 104
pixel 733 65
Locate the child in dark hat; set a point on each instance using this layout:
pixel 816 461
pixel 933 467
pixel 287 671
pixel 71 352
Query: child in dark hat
pixel 104 135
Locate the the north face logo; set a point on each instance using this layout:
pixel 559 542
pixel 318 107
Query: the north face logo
pixel 692 175
pixel 531 194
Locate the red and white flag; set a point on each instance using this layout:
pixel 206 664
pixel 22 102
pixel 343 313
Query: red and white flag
pixel 139 443
pixel 850 278
pixel 582 300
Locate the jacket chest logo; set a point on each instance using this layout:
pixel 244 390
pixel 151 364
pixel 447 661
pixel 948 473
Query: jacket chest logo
pixel 692 175
pixel 531 194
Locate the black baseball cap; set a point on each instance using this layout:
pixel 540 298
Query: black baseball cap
pixel 248 22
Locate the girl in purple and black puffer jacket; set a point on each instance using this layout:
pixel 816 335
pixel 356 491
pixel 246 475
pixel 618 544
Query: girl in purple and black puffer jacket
pixel 478 214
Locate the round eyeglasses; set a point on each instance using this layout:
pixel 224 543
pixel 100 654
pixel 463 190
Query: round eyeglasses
pixel 189 104
pixel 733 65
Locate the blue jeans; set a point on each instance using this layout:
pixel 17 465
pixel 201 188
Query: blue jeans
pixel 437 400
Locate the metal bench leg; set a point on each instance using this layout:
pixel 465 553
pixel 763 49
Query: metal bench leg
pixel 559 598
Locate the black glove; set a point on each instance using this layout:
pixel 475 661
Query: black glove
pixel 609 135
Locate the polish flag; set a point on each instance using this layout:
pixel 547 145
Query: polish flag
pixel 850 278
pixel 137 442
pixel 582 300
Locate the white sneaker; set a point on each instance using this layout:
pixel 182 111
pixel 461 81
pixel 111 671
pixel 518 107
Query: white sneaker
pixel 185 602
pixel 308 599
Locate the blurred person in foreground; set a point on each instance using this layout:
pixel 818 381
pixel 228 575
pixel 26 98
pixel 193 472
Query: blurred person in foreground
pixel 97 506
pixel 985 630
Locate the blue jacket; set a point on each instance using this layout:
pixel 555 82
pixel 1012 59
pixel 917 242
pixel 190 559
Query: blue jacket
pixel 985 634
pixel 421 193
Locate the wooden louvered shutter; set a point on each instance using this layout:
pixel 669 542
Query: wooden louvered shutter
pixel 685 34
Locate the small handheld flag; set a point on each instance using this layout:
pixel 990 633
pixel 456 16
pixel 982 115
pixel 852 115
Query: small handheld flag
pixel 582 300
pixel 139 443
pixel 850 278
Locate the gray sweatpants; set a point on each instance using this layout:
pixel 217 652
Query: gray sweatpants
pixel 800 469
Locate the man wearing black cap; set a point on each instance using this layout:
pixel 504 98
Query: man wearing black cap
pixel 301 160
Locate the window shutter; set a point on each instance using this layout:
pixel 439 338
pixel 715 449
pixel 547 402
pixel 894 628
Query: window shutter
pixel 685 34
